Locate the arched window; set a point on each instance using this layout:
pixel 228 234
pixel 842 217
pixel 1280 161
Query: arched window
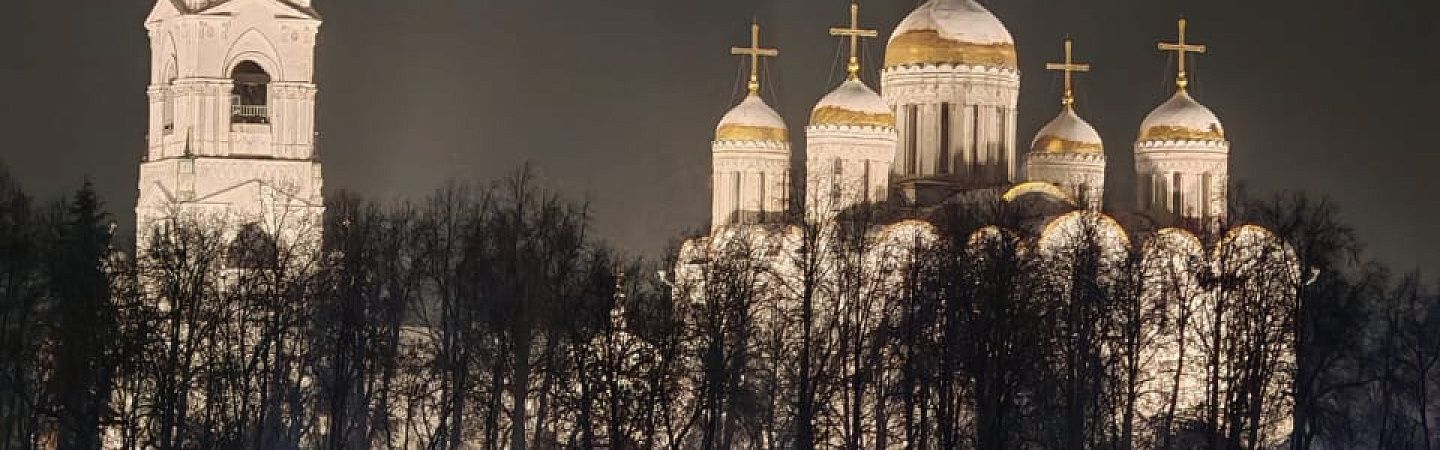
pixel 944 164
pixel 167 99
pixel 1177 196
pixel 249 102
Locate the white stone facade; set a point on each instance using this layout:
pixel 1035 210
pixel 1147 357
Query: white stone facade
pixel 751 182
pixel 957 126
pixel 846 165
pixel 232 116
pixel 1182 162
pixel 750 176
pixel 1080 175
pixel 1184 178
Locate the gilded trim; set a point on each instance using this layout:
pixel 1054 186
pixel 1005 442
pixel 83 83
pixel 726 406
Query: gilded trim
pixel 1052 144
pixel 750 133
pixel 1036 187
pixel 928 47
pixel 1174 133
pixel 834 115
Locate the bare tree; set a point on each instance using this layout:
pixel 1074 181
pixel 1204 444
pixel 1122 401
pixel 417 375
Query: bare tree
pixel 21 297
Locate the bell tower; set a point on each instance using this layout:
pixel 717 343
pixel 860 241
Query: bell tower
pixel 232 117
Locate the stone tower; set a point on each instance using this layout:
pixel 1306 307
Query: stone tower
pixel 232 118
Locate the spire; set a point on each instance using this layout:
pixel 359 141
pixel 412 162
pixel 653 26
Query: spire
pixel 1069 67
pixel 1180 47
pixel 755 52
pixel 854 33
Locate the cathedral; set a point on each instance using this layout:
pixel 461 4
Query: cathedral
pixel 940 132
pixel 943 129
pixel 232 139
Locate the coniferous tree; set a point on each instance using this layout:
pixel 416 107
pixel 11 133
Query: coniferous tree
pixel 82 320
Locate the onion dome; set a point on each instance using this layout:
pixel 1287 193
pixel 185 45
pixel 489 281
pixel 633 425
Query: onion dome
pixel 853 104
pixel 752 120
pixel 1181 119
pixel 1068 134
pixel 956 32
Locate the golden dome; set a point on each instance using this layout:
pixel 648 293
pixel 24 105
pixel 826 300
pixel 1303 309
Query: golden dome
pixel 1181 119
pixel 752 120
pixel 957 32
pixel 854 104
pixel 1068 133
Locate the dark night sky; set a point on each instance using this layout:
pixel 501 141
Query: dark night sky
pixel 616 100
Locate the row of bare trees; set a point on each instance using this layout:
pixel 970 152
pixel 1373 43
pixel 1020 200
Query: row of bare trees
pixel 489 316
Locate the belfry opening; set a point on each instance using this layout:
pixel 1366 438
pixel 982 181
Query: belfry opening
pixel 249 99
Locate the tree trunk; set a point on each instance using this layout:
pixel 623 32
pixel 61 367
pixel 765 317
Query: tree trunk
pixel 519 387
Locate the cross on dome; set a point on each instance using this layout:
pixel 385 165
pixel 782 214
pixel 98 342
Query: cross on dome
pixel 755 52
pixel 854 32
pixel 1181 47
pixel 1069 67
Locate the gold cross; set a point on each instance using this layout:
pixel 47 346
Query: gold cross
pixel 1069 67
pixel 854 33
pixel 755 52
pixel 1181 48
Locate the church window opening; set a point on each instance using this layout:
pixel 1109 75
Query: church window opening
pixel 865 184
pixel 1206 200
pixel 762 203
pixel 973 157
pixel 737 199
pixel 944 164
pixel 167 101
pixel 167 110
pixel 912 139
pixel 1176 196
pixel 836 173
pixel 249 101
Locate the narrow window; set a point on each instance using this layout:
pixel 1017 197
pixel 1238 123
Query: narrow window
pixel 1205 199
pixel 1176 196
pixel 761 200
pixel 944 164
pixel 167 110
pixel 912 127
pixel 865 183
pixel 974 139
pixel 735 200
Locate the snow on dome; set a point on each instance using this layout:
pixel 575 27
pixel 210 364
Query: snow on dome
pixel 959 32
pixel 752 120
pixel 853 103
pixel 1068 133
pixel 1181 119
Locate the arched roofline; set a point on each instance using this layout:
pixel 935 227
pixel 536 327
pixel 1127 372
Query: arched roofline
pixel 254 46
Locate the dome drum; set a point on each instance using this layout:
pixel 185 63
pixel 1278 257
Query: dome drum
pixel 1181 149
pixel 936 84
